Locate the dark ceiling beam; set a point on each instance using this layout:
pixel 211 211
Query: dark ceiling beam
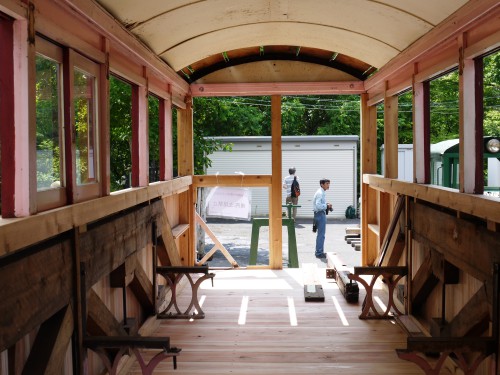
pixel 275 56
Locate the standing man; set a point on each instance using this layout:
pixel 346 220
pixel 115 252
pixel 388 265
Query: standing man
pixel 319 207
pixel 287 184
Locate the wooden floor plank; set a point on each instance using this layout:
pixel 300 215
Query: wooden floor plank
pixel 258 322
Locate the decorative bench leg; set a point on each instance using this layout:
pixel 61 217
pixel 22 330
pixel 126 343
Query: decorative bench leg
pixel 416 358
pixel 147 369
pixel 369 311
pixel 199 314
pixel 106 360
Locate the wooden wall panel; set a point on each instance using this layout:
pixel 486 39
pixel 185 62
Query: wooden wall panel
pixel 34 288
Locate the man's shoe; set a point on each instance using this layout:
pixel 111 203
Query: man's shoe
pixel 321 256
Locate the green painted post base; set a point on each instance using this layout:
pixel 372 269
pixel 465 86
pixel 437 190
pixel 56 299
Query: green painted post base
pixel 293 260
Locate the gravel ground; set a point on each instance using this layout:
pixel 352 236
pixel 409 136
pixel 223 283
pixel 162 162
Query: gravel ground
pixel 236 235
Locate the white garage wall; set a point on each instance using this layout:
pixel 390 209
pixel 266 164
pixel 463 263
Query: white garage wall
pixel 314 157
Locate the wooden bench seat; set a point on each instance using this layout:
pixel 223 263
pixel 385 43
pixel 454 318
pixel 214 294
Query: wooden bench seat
pixel 112 348
pixel 173 274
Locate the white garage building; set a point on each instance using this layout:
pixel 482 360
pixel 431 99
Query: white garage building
pixel 314 157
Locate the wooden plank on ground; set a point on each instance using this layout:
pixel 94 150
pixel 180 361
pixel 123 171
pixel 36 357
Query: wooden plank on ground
pixel 313 291
pixel 354 231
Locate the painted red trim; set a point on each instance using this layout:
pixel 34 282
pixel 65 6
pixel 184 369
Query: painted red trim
pixel 7 121
pixel 69 148
pixel 427 133
pixel 479 119
pixel 161 137
pixel 135 136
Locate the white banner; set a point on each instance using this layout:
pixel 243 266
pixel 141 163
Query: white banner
pixel 229 203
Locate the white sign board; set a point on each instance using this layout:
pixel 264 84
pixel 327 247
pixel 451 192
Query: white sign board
pixel 229 203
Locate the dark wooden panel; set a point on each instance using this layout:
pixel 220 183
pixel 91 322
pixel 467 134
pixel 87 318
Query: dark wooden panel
pixel 469 246
pixel 34 288
pixel 49 349
pixel 107 244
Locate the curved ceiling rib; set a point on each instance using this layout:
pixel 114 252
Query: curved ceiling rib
pixel 393 27
pixel 358 46
pixel 193 32
pixel 350 66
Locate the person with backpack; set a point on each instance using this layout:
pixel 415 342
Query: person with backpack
pixel 292 186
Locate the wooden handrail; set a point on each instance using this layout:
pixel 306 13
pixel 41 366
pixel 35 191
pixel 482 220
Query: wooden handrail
pixel 481 206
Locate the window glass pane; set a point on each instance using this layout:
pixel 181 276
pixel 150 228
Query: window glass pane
pixel 85 127
pixel 49 168
pixel 380 137
pixel 154 138
pixel 405 118
pixel 444 130
pixel 491 123
pixel 120 102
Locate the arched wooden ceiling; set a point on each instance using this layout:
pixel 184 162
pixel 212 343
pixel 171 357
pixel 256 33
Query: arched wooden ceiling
pixel 199 37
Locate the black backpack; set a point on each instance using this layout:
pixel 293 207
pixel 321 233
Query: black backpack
pixel 295 188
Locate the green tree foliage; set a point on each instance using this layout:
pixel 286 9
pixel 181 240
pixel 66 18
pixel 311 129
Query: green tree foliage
pixel 47 123
pixel 444 107
pixel 154 138
pixel 405 118
pixel 491 89
pixel 120 133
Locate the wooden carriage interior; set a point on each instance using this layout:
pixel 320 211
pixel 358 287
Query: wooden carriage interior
pixel 77 260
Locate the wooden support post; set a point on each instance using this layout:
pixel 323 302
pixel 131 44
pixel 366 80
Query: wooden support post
pixel 275 223
pixel 368 165
pixel 470 122
pixel 391 137
pixel 104 139
pixel 140 136
pixel 421 133
pixel 185 159
pixel 166 140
